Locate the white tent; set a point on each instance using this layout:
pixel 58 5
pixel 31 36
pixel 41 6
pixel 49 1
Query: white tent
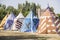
pixel 18 21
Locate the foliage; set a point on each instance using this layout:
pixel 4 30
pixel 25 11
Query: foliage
pixel 52 9
pixel 24 8
pixel 58 15
pixel 2 12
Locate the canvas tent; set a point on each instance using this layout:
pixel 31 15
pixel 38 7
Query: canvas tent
pixel 3 21
pixel 28 23
pixel 18 21
pixel 9 22
pixel 48 23
pixel 35 23
pixel 57 24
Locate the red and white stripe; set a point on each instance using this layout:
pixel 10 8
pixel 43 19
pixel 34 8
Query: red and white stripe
pixel 44 26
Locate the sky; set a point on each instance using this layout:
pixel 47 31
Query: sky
pixel 44 3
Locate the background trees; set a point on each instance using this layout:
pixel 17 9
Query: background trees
pixel 2 11
pixel 24 8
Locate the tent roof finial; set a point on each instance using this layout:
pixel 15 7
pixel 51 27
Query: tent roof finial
pixel 48 6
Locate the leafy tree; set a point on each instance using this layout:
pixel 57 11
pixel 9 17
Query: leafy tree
pixel 34 8
pixel 38 6
pixel 0 5
pixel 15 11
pixel 20 7
pixel 2 12
pixel 10 9
pixel 52 9
pixel 58 15
pixel 4 6
pixel 26 8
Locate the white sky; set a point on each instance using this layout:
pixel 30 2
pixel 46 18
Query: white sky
pixel 43 3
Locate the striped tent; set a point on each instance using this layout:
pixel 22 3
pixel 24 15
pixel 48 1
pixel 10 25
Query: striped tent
pixel 48 23
pixel 3 21
pixel 57 24
pixel 18 21
pixel 9 22
pixel 28 23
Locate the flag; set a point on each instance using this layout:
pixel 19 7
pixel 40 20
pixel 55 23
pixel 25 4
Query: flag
pixel 9 22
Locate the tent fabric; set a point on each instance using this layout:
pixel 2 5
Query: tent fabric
pixel 47 23
pixel 57 23
pixel 3 21
pixel 9 22
pixel 28 23
pixel 18 21
pixel 35 23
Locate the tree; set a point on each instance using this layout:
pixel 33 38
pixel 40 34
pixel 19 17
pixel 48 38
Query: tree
pixel 38 6
pixel 52 9
pixel 0 5
pixel 34 8
pixel 2 12
pixel 26 8
pixel 4 6
pixel 20 7
pixel 58 15
pixel 10 9
pixel 15 11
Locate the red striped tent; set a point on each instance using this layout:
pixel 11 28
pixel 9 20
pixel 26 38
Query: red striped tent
pixel 49 23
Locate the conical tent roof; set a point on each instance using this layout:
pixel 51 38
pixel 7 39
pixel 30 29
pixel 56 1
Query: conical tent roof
pixel 9 22
pixel 28 24
pixel 47 23
pixel 20 15
pixel 3 21
pixel 18 21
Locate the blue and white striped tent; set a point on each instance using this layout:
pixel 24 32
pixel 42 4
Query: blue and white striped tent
pixel 9 22
pixel 28 23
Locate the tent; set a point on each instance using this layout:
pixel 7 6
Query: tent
pixel 35 23
pixel 9 22
pixel 57 23
pixel 3 21
pixel 18 21
pixel 48 22
pixel 28 23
